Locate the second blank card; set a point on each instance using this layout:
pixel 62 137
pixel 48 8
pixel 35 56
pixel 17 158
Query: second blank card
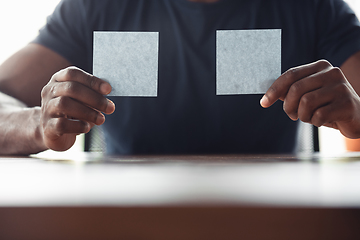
pixel 247 61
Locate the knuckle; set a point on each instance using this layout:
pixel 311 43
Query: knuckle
pixel 335 71
pixel 62 103
pixel 295 88
pixel 71 73
pixel 306 101
pixel 322 64
pixel 292 73
pixel 52 90
pixel 319 117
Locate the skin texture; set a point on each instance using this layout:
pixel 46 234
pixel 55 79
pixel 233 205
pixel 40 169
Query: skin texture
pixel 320 94
pixel 71 102
pixel 48 102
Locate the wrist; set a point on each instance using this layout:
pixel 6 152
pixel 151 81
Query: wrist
pixel 37 136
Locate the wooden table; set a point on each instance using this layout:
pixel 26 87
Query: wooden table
pixel 180 197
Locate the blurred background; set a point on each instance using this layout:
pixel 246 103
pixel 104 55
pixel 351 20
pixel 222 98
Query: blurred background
pixel 20 21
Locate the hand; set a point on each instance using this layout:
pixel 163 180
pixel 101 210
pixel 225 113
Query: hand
pixel 317 93
pixel 72 103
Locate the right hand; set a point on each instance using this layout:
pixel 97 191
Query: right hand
pixel 72 103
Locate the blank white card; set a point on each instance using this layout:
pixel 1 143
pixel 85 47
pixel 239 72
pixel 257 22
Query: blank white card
pixel 247 61
pixel 128 61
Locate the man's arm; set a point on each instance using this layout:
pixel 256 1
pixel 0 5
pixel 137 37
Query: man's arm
pixel 22 77
pixel 321 94
pixel 351 70
pixel 25 73
pixel 27 128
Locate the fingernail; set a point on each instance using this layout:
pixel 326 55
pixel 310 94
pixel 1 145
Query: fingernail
pixel 105 88
pixel 110 108
pixel 264 102
pixel 293 117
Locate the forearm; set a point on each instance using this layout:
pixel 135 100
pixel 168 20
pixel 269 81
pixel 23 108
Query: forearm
pixel 351 70
pixel 19 128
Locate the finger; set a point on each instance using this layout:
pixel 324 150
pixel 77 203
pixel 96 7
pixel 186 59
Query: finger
pixel 83 94
pixel 299 92
pixel 332 113
pixel 280 88
pixel 322 116
pixel 315 91
pixel 56 127
pixel 311 101
pixel 80 76
pixel 65 106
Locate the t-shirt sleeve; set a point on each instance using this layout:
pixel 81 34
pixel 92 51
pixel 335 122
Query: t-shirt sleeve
pixel 338 31
pixel 66 33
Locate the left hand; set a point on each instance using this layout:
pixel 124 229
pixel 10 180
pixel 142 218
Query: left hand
pixel 317 93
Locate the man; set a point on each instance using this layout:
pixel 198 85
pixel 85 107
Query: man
pixel 187 116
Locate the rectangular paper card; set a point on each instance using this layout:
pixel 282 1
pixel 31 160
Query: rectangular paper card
pixel 247 61
pixel 128 61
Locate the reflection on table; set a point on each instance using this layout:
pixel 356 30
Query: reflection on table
pixel 180 197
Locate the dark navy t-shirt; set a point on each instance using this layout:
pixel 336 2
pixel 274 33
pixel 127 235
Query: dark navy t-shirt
pixel 187 117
